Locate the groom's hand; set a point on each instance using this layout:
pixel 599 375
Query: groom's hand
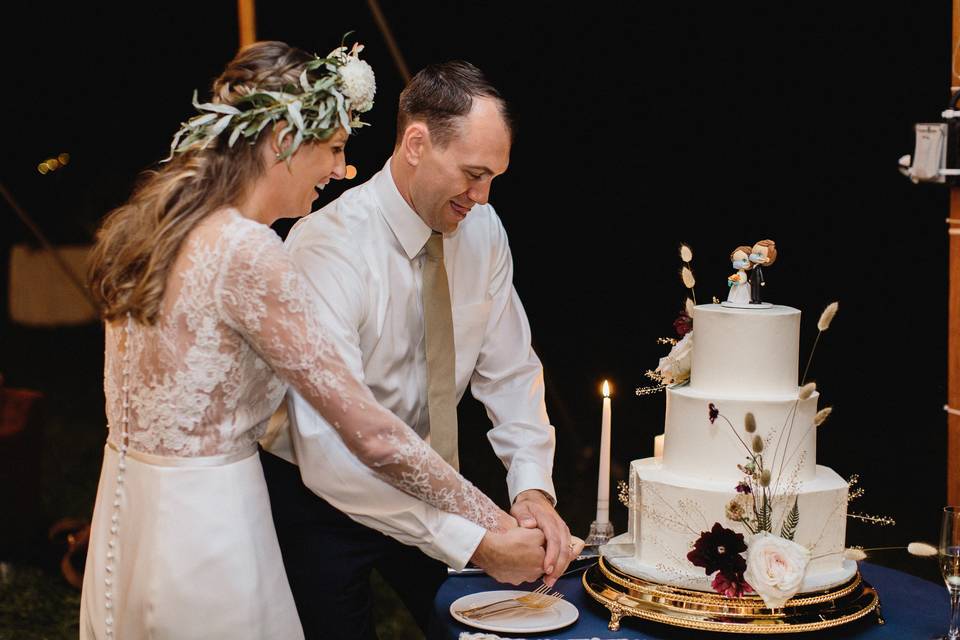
pixel 533 509
pixel 514 557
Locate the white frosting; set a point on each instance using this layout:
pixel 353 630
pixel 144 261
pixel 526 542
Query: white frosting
pixel 695 448
pixel 745 353
pixel 670 511
pixel 744 360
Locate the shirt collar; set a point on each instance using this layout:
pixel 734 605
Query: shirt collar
pixel 410 230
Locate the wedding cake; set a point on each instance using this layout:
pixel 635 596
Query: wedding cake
pixel 738 470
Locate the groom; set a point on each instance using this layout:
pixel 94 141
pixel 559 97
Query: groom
pixel 414 279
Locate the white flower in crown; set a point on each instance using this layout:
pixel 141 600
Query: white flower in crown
pixel 357 80
pixel 359 84
pixel 674 367
pixel 775 568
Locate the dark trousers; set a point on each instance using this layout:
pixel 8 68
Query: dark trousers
pixel 328 559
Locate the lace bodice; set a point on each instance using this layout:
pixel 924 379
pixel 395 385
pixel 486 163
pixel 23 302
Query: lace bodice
pixel 235 327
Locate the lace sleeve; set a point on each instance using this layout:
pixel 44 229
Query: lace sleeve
pixel 263 297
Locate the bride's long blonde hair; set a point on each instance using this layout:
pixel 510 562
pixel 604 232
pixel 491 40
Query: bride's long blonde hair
pixel 138 242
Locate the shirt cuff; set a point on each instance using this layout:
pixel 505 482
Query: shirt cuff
pixel 457 540
pixel 528 475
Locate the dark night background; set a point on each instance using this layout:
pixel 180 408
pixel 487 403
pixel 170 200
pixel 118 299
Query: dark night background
pixel 642 125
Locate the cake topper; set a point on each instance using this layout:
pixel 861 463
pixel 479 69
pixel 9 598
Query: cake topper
pixel 764 253
pixel 739 282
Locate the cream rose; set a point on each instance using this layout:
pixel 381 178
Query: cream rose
pixel 775 568
pixel 675 366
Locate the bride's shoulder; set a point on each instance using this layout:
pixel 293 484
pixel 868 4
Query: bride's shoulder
pixel 232 230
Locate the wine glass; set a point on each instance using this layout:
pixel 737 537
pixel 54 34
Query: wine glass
pixel 950 565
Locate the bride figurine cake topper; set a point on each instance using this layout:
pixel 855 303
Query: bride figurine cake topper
pixel 746 285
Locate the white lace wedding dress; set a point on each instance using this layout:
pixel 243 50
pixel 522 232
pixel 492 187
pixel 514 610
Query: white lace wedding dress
pixel 182 542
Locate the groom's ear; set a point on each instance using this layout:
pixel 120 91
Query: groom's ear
pixel 416 140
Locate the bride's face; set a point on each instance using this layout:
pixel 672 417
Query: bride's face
pixel 295 183
pixel 740 260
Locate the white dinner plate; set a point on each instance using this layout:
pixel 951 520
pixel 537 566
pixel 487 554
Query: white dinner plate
pixel 561 614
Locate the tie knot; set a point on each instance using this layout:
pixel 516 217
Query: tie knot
pixel 434 246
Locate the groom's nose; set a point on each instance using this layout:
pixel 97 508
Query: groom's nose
pixel 479 193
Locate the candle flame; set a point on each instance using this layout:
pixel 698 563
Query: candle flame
pixel 606 389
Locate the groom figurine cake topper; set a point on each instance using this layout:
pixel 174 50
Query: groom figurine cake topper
pixel 747 283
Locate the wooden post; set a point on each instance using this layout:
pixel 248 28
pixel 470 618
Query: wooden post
pixel 247 19
pixel 953 339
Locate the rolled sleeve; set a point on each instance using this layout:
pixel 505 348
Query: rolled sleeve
pixel 508 380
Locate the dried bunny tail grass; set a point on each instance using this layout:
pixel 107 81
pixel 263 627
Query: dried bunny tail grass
pixel 827 316
pixel 689 305
pixel 686 254
pixel 688 280
pixel 822 416
pixel 749 423
pixel 921 549
pixel 807 390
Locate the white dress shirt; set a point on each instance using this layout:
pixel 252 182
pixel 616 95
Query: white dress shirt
pixel 363 255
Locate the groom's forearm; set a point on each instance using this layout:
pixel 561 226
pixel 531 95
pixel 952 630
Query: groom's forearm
pixel 331 471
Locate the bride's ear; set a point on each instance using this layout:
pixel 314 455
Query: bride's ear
pixel 277 147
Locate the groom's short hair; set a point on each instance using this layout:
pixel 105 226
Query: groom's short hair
pixel 440 94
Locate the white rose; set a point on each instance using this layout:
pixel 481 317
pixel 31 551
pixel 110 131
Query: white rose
pixel 775 568
pixel 359 84
pixel 675 366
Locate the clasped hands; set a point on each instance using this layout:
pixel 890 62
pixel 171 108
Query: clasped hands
pixel 534 542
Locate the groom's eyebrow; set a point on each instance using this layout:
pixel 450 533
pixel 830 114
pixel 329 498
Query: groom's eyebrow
pixel 474 167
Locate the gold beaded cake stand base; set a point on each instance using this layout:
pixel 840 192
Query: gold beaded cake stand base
pixel 625 595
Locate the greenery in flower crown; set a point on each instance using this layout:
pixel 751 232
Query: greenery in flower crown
pixel 312 110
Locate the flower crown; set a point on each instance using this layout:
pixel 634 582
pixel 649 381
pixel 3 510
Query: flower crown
pixel 314 112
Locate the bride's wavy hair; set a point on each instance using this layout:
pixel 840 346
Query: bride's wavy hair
pixel 138 241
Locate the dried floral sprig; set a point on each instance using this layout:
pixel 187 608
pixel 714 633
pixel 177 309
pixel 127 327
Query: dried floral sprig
pixel 688 307
pixel 806 390
pixel 757 483
pixel 854 553
pixel 671 341
pixel 822 416
pixel 686 273
pixel 623 493
pixel 919 549
pixel 826 318
pixel 650 391
pixel 922 549
pixel 749 423
pixel 882 521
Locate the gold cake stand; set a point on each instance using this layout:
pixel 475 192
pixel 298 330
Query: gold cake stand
pixel 625 595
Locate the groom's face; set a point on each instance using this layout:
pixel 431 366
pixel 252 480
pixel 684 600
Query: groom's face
pixel 450 180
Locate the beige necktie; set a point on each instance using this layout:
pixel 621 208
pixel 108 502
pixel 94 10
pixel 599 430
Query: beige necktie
pixel 441 357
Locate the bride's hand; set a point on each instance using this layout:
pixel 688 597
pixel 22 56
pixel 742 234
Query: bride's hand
pixel 505 522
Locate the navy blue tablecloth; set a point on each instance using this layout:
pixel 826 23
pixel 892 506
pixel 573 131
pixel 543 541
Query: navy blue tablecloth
pixel 914 609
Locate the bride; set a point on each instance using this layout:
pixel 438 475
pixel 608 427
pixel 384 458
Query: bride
pixel 207 320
